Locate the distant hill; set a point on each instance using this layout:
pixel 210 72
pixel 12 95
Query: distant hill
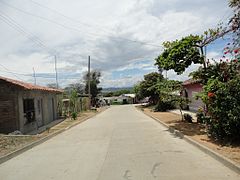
pixel 113 89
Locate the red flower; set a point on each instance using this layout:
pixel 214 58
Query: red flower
pixel 235 60
pixel 210 94
pixel 236 51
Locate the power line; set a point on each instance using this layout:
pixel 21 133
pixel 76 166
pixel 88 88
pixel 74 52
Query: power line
pixel 12 23
pixel 7 70
pixel 5 20
pixel 38 76
pixel 67 17
pixel 76 29
pixel 31 75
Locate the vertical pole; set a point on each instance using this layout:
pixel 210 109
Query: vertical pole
pixel 55 58
pixel 34 76
pixel 205 54
pixel 89 83
pixel 204 58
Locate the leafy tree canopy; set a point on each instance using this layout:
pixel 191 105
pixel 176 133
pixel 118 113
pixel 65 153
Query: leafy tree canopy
pixel 180 54
pixel 147 87
pixel 94 82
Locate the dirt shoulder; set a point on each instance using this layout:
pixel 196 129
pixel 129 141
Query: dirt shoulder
pixel 11 143
pixel 196 132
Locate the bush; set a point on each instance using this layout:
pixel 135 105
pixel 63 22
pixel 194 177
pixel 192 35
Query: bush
pixel 74 115
pixel 187 117
pixel 223 100
pixel 200 116
pixel 164 105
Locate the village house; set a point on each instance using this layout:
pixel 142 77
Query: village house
pixel 191 88
pixel 26 107
pixel 122 99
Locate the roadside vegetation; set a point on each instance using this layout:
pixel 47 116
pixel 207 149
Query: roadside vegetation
pixel 220 79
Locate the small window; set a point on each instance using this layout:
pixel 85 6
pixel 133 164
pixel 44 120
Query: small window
pixel 29 110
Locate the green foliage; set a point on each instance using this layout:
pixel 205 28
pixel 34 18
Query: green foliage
pixel 148 88
pixel 166 87
pixel 200 116
pixel 180 54
pixel 94 82
pixel 74 115
pixel 223 100
pixel 187 117
pixel 73 100
pixel 164 105
pixel 222 71
pixel 169 95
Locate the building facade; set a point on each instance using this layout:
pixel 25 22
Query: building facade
pixel 191 89
pixel 26 107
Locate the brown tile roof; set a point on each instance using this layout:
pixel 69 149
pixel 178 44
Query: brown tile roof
pixel 29 86
pixel 191 81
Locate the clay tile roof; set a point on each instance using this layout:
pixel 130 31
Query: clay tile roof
pixel 191 81
pixel 29 86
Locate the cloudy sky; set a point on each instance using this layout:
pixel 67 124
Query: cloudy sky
pixel 122 37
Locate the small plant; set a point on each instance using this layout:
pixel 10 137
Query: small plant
pixel 200 116
pixel 65 114
pixel 74 115
pixel 187 117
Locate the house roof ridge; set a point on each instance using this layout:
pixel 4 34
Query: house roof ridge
pixel 29 86
pixel 191 81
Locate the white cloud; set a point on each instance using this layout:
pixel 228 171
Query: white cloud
pixel 100 29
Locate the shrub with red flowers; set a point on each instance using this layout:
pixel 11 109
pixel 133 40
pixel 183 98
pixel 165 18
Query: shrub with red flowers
pixel 224 122
pixel 221 80
pixel 210 94
pixel 221 94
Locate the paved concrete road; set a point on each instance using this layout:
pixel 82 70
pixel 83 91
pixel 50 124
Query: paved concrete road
pixel 118 144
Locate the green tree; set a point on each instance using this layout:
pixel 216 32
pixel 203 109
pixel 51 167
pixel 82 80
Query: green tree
pixel 94 82
pixel 180 54
pixel 73 100
pixel 148 88
pixel 169 95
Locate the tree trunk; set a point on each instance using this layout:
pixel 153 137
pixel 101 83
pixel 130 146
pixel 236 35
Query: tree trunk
pixel 181 112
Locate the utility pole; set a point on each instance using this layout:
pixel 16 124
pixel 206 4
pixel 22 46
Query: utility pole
pixel 89 83
pixel 34 76
pixel 55 58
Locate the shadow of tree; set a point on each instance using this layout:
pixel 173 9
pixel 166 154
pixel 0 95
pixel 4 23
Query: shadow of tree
pixel 189 129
